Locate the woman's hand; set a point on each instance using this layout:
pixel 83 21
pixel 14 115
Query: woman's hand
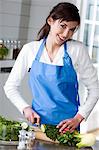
pixel 31 115
pixel 70 124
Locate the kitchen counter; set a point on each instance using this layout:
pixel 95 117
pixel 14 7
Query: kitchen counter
pixel 42 145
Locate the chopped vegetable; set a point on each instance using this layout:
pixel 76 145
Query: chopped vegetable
pixel 86 140
pixel 67 138
pixel 43 127
pixel 24 125
pixel 51 131
pixel 9 130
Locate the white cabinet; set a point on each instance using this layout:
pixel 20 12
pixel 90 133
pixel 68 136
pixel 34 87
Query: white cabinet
pixel 7 109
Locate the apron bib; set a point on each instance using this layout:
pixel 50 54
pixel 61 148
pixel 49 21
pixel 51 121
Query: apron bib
pixel 54 89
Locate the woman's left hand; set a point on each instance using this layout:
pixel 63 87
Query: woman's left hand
pixel 70 124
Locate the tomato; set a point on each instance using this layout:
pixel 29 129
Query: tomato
pixel 65 130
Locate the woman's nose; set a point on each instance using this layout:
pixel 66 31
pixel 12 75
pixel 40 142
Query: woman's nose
pixel 66 32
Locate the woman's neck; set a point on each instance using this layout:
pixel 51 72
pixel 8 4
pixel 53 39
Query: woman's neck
pixel 51 48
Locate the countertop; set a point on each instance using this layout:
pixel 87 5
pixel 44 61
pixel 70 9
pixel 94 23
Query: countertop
pixel 42 145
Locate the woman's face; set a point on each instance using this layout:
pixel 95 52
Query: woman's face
pixel 61 31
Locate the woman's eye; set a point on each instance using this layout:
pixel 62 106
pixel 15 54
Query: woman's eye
pixel 63 26
pixel 73 29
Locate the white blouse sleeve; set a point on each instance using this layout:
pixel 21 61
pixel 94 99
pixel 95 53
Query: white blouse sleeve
pixel 13 82
pixel 88 76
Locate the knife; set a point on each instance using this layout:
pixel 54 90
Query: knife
pixel 35 124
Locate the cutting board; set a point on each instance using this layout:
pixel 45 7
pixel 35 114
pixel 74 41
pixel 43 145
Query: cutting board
pixel 42 136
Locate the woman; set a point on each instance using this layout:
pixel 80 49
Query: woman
pixel 55 61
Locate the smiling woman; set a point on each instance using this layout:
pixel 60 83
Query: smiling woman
pixel 63 29
pixel 53 77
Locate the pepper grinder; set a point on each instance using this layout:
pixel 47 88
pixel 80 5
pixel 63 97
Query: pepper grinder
pixel 22 139
pixel 30 140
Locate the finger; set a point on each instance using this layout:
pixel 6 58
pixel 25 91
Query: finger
pixel 70 125
pixel 35 120
pixel 65 130
pixel 38 120
pixel 67 124
pixel 61 123
pixel 32 119
pixel 29 119
pixel 72 129
pixel 63 127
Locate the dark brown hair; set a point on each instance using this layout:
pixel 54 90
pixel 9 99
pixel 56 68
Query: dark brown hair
pixel 63 11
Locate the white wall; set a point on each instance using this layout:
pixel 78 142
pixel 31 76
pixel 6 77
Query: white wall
pixel 22 19
pixel 14 16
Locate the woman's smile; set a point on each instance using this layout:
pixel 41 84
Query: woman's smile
pixel 60 39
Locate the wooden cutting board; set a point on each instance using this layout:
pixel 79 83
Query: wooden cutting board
pixel 42 136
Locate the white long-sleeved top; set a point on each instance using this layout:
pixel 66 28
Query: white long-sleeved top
pixel 82 64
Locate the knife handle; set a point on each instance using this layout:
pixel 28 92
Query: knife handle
pixel 35 120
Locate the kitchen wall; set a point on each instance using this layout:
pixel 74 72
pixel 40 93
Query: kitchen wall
pixel 22 19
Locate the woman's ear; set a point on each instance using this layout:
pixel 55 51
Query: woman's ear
pixel 50 20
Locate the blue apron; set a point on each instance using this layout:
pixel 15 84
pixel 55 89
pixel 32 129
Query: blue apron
pixel 54 89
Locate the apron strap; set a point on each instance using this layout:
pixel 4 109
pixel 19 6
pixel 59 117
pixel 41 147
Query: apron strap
pixel 67 57
pixel 65 51
pixel 38 55
pixel 65 47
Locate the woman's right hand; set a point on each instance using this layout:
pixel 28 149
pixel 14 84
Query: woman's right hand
pixel 31 115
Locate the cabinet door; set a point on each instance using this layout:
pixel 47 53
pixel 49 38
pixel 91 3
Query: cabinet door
pixel 1 91
pixel 3 103
pixel 7 109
